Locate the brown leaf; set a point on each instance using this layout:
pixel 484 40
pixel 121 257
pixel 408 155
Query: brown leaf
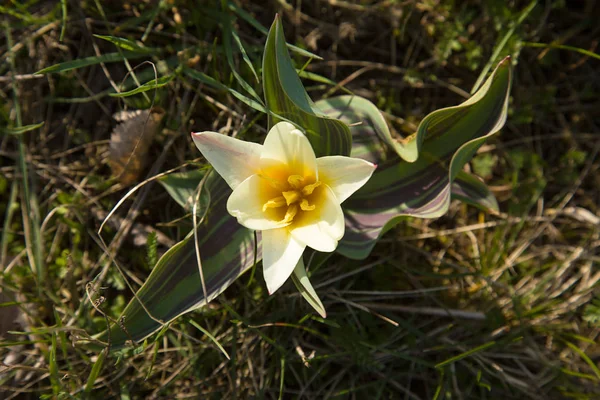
pixel 130 141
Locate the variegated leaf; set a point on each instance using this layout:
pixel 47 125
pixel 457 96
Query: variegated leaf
pixel 449 138
pixel 174 286
pixel 287 99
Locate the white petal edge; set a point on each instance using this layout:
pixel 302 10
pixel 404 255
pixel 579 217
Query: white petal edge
pixel 233 159
pixel 288 145
pixel 344 175
pixel 281 253
pixel 322 228
pixel 245 204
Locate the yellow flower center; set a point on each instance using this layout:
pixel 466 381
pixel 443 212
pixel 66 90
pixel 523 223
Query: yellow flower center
pixel 295 194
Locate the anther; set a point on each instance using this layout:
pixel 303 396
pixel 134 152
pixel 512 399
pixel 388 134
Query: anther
pixel 304 206
pixel 308 189
pixel 274 203
pixel 290 213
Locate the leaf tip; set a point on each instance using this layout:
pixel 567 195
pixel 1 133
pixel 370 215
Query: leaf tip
pixel 506 61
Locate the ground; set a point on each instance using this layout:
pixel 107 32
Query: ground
pixel 470 305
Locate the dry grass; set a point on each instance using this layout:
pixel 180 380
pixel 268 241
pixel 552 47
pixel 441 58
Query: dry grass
pixel 466 306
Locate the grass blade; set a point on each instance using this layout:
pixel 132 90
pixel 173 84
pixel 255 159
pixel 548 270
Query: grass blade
pixel 95 372
pixel 22 129
pixel 585 358
pixel 211 337
pixel 501 44
pixel 53 368
pixel 259 27
pixel 87 61
pixel 465 354
pixel 151 85
pixel 126 44
pixel 563 47
pixel 202 77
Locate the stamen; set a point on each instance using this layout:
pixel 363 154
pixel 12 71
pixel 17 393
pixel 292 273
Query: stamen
pixel 292 196
pixel 290 213
pixel 296 181
pixel 304 206
pixel 274 203
pixel 308 189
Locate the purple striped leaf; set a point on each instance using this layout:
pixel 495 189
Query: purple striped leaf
pixel 174 286
pixel 447 139
pixel 371 138
pixel 471 190
pixel 287 100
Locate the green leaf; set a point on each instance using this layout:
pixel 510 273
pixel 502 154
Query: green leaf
pixel 86 62
pixel 287 100
pixel 449 138
pixel 150 85
pixel 306 289
pixel 126 44
pixel 473 191
pixel 182 186
pixel 22 129
pixel 174 286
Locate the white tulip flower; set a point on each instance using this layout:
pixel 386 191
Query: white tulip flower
pixel 283 190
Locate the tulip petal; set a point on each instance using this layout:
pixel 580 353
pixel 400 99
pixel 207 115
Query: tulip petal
pixel 246 204
pixel 233 159
pixel 344 175
pixel 281 253
pixel 287 145
pixel 322 228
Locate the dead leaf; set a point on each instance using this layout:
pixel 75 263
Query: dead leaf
pixel 130 141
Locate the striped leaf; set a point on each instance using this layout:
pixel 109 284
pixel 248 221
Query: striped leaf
pixel 371 138
pixel 300 279
pixel 174 286
pixel 182 187
pixel 472 190
pixel 287 100
pixel 415 178
pixel 448 139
